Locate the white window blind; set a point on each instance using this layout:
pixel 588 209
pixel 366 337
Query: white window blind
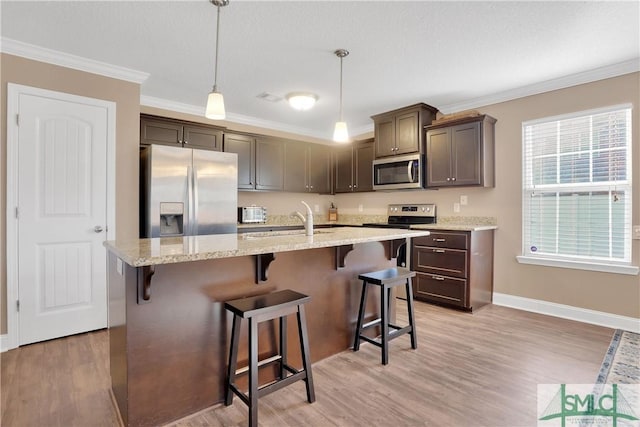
pixel 577 186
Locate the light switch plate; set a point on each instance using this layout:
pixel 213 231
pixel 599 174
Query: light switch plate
pixel 360 208
pixel 636 232
pixel 463 200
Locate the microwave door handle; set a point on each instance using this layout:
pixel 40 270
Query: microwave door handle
pixel 410 170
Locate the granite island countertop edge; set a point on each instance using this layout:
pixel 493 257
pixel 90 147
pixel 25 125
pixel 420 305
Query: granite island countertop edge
pixel 169 250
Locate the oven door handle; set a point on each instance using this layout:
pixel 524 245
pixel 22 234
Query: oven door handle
pixel 410 170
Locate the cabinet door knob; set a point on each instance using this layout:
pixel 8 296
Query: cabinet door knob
pixel 453 179
pixel 448 179
pixel 186 142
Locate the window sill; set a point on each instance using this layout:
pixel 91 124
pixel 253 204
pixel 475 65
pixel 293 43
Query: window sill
pixel 592 266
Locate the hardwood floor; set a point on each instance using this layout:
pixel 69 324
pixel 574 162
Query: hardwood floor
pixel 479 369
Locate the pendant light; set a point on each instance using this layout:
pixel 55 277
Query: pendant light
pixel 215 101
pixel 340 133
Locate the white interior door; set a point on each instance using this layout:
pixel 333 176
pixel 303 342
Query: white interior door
pixel 62 215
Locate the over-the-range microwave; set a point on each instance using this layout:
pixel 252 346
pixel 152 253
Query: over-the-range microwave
pixel 399 172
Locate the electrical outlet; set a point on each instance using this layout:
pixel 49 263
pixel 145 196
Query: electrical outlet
pixel 316 208
pixel 360 208
pixel 636 232
pixel 463 200
pixel 456 207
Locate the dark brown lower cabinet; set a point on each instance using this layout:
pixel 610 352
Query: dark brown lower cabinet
pixel 454 268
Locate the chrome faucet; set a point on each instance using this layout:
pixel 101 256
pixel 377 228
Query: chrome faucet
pixel 308 221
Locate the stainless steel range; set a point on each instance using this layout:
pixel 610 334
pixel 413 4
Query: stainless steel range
pixel 404 216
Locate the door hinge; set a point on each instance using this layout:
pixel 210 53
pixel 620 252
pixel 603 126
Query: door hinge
pixel 18 119
pixel 17 213
pixel 17 305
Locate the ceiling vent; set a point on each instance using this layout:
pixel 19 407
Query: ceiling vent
pixel 269 97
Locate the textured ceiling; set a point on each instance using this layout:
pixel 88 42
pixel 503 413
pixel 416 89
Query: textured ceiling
pixel 445 54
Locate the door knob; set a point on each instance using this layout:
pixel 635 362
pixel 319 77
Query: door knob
pixel 97 229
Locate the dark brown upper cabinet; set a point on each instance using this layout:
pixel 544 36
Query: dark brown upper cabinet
pixel 245 147
pixel 401 131
pixel 319 165
pixel 269 164
pixel 157 130
pixel 353 170
pixel 307 167
pixel 461 152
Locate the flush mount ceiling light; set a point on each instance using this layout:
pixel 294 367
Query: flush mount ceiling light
pixel 301 100
pixel 340 133
pixel 215 101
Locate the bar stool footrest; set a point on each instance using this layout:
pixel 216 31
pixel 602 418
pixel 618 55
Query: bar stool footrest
pixel 273 386
pixel 264 362
pixel 372 323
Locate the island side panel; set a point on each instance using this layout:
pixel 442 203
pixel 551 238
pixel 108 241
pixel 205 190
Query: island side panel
pixel 177 343
pixel 118 274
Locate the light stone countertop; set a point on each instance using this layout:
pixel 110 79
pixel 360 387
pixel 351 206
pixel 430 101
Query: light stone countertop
pixel 455 223
pixel 454 227
pixel 168 250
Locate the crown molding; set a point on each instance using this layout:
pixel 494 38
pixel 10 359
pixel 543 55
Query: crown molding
pixel 166 104
pixel 589 76
pixel 50 56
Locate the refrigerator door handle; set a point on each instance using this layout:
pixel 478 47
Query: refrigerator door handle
pixel 194 205
pixel 190 202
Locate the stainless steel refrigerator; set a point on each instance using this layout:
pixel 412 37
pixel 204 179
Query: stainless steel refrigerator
pixel 187 192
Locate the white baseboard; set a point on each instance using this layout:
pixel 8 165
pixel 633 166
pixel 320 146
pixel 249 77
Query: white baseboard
pixel 568 312
pixel 4 343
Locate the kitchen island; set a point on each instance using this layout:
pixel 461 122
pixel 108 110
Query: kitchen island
pixel 168 328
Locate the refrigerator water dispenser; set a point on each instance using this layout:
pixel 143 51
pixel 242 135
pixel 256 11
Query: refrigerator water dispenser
pixel 171 219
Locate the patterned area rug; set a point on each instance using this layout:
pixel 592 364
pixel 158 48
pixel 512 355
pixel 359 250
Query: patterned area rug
pixel 621 364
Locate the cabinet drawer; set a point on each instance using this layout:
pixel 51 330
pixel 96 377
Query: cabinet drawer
pixel 444 240
pixel 433 287
pixel 448 262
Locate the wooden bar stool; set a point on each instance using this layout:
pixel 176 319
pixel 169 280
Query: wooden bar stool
pixel 260 309
pixel 386 279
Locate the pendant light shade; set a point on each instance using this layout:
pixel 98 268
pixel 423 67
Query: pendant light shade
pixel 215 101
pixel 340 132
pixel 215 106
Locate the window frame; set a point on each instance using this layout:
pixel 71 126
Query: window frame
pixel 592 263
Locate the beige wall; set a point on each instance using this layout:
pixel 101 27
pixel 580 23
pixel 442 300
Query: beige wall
pixel 126 95
pixel 612 293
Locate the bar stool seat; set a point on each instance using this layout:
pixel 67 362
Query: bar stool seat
pixel 276 305
pixel 386 279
